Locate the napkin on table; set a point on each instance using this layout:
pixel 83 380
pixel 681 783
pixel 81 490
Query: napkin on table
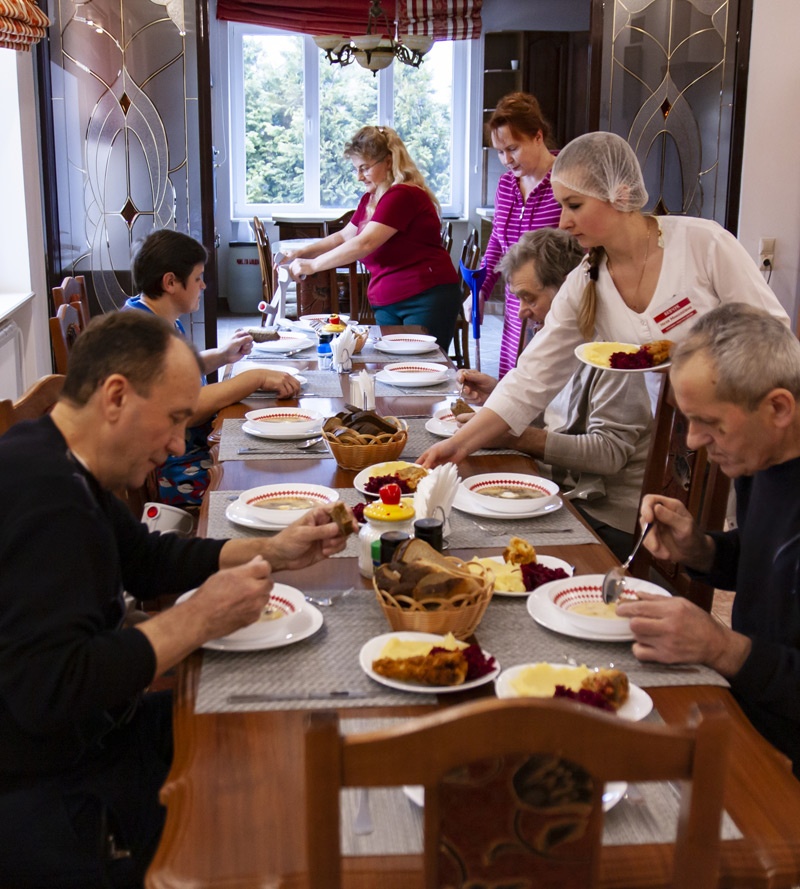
pixel 342 349
pixel 362 390
pixel 435 494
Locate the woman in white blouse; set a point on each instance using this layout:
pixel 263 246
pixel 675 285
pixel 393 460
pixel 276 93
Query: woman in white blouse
pixel 644 278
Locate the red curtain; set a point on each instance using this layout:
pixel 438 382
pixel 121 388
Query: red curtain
pixel 441 19
pixel 22 24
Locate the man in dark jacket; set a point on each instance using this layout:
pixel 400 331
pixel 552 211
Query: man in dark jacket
pixel 83 752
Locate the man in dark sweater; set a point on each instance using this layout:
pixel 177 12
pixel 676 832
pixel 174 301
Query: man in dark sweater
pixel 83 752
pixel 737 380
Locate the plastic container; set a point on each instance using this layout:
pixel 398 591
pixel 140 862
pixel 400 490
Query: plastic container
pixel 390 513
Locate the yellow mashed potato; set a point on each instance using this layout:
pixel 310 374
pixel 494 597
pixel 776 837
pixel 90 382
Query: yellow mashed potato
pixel 402 648
pixel 540 680
pixel 507 577
pixel 600 353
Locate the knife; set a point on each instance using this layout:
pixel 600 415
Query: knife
pixel 300 696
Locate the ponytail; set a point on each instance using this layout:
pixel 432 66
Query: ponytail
pixel 587 312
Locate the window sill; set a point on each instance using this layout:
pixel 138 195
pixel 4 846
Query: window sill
pixel 10 302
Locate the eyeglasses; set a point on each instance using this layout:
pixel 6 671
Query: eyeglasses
pixel 365 168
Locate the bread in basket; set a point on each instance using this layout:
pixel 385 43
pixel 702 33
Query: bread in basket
pixel 357 450
pixel 424 591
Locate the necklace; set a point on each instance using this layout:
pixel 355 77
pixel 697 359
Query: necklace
pixel 610 265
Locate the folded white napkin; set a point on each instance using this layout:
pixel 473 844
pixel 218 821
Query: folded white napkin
pixel 362 390
pixel 435 494
pixel 342 349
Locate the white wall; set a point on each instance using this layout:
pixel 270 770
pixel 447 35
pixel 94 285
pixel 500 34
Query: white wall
pixel 770 205
pixel 22 257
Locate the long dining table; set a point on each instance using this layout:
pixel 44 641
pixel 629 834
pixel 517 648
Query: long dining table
pixel 235 794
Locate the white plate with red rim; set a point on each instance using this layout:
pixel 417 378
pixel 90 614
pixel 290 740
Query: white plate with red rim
pixel 546 613
pixel 287 340
pixel 239 515
pixel 273 504
pixel 548 562
pixel 257 430
pixel 444 423
pixel 638 705
pixel 284 423
pixel 523 493
pixel 465 502
pixel 612 793
pixel 371 651
pixel 413 373
pixel 299 621
pixel 406 344
pixel 585 348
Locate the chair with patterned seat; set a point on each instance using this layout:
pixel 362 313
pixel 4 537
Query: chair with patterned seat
pixel 514 791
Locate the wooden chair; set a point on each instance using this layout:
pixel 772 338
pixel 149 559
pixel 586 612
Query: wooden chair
pixel 35 403
pixel 73 292
pixel 270 291
pixel 349 274
pixel 673 469
pixel 65 328
pixel 447 235
pixel 360 309
pixel 471 257
pixel 513 789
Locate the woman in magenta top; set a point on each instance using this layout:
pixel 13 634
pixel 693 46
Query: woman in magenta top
pixel 524 199
pixel 395 232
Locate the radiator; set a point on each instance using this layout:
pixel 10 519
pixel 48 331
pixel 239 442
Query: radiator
pixel 11 382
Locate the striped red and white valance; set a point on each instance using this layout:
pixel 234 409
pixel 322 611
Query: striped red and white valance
pixel 440 19
pixel 22 24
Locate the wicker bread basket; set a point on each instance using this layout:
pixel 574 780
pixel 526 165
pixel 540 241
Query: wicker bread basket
pixel 459 615
pixel 355 450
pixel 362 334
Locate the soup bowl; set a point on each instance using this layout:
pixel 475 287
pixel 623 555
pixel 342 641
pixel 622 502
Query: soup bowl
pixel 512 493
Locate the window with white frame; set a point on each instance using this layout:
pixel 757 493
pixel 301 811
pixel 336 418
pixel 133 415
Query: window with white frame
pixel 292 113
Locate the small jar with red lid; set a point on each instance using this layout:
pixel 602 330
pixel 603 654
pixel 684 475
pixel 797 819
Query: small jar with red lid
pixel 389 513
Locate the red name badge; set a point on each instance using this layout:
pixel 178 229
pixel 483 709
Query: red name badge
pixel 676 314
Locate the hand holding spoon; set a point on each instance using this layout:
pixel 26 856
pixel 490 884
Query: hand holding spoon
pixel 614 581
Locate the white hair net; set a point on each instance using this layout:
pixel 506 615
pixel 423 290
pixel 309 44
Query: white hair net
pixel 603 166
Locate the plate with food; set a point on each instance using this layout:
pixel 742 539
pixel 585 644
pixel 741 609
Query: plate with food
pixel 281 504
pixel 575 607
pixel 465 502
pixel 314 321
pixel 282 423
pixel 606 689
pixel 444 423
pixel 426 662
pixel 407 475
pixel 406 343
pixel 626 357
pixel 513 493
pixel 287 341
pixel 287 618
pixel 520 570
pixel 415 374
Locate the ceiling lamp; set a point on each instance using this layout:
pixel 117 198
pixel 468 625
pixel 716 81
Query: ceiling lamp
pixel 379 47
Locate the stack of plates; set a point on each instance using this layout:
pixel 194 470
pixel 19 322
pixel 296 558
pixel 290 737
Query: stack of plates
pixel 413 374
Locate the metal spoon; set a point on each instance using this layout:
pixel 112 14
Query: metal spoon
pixel 614 581
pixel 310 443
